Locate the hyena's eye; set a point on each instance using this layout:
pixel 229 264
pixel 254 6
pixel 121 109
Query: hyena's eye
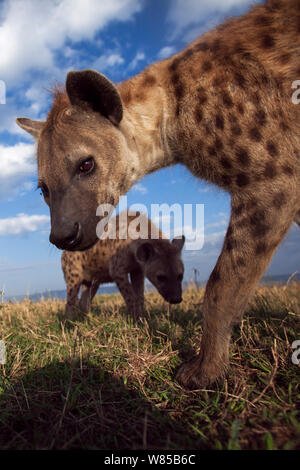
pixel 86 166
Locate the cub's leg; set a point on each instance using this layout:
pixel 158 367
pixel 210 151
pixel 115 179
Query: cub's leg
pixel 138 281
pixel 119 275
pixel 94 289
pixel 257 226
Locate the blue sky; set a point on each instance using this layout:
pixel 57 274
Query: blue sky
pixel 40 41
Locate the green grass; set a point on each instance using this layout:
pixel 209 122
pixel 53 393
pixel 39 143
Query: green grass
pixel 102 382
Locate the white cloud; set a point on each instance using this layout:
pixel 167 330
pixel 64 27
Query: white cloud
pixel 32 31
pixel 107 61
pixel 22 223
pixel 185 13
pixel 17 164
pixel 165 52
pixel 139 57
pixel 140 188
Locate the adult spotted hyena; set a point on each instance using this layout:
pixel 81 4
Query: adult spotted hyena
pixel 223 108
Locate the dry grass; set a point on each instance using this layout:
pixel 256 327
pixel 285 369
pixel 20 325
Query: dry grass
pixel 101 382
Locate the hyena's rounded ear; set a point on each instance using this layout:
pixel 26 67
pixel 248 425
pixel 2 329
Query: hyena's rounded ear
pixel 179 242
pixel 33 127
pixel 144 252
pixel 91 88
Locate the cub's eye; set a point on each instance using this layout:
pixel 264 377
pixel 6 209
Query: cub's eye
pixel 44 190
pixel 180 277
pixel 87 166
pixel 162 278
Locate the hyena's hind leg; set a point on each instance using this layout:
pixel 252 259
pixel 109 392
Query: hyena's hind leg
pixel 257 226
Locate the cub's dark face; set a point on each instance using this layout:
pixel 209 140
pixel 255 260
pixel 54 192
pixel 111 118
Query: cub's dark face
pixel 163 266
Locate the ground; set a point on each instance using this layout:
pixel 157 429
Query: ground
pixel 102 382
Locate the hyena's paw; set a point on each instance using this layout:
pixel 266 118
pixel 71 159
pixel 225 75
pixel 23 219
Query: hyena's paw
pixel 195 374
pixel 72 311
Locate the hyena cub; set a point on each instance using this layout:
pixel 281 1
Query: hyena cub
pixel 111 260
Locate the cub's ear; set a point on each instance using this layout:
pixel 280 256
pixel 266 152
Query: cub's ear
pixel 144 252
pixel 179 242
pixel 88 87
pixel 33 127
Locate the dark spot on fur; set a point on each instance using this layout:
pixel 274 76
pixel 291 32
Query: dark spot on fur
pixel 217 82
pixel 240 262
pixel 262 20
pixel 230 244
pixel 218 143
pixel 178 87
pixel 229 231
pixel 240 79
pixel 260 117
pixel 225 162
pixel 202 46
pixel 287 170
pixel 216 46
pixel 206 66
pixel 198 114
pixel 211 150
pixel 254 134
pixel 242 180
pixel 239 48
pixel 257 217
pixel 226 180
pixel 279 200
pixel 227 99
pixel 232 118
pixel 237 211
pixel 283 126
pixel 241 109
pixel 202 95
pixel 236 130
pixel 174 64
pixel 267 41
pixel 215 275
pixel 272 148
pixel 257 220
pixel 243 156
pixel 220 121
pixel 261 248
pixel 270 171
pixel 149 80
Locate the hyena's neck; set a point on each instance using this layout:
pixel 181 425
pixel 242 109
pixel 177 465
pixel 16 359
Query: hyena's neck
pixel 145 123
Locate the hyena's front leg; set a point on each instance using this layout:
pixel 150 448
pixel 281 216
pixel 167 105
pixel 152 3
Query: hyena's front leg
pixel 256 228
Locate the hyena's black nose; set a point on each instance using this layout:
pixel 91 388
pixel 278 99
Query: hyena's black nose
pixel 65 238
